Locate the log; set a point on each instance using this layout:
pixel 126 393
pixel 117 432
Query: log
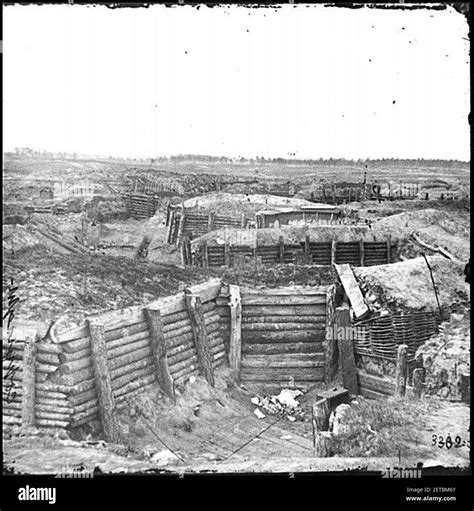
pixel 103 382
pixel 143 363
pixel 191 363
pixel 286 360
pixel 235 342
pixel 129 358
pixel 418 379
pixel 275 326
pixel 193 304
pixel 184 355
pixel 132 347
pixel 263 374
pixel 284 337
pixel 346 352
pixel 401 370
pixel 120 382
pixel 320 415
pixel 314 321
pixel 48 358
pixel 127 340
pixel 272 309
pixel 180 348
pixel 316 299
pixel 371 382
pixel 282 348
pixel 29 378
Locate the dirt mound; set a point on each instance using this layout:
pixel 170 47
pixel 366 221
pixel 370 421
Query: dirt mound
pixel 234 204
pixel 290 235
pixel 446 358
pixel 444 229
pixel 408 284
pixel 79 285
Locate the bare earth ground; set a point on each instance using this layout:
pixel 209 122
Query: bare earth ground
pixel 206 426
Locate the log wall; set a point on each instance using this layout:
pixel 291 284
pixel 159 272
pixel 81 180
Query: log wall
pixel 358 253
pixel 65 382
pixel 283 334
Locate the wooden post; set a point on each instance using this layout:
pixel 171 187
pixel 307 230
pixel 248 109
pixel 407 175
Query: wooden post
pixel 418 377
pixel 281 250
pixel 243 221
pixel 188 253
pixel 227 255
pixel 350 193
pixel 182 251
pixel 401 370
pixel 205 255
pixel 158 350
pixel 333 250
pixel 389 191
pixel 103 382
pixel 235 347
pixel 362 252
pixel 389 249
pixel 334 194
pixel 211 220
pixel 322 438
pixel 198 325
pixel 307 250
pixel 345 344
pixel 29 376
pixel 255 250
pixel 180 227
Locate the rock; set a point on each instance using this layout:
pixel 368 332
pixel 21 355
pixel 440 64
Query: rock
pixel 163 458
pixel 340 417
pixel 259 414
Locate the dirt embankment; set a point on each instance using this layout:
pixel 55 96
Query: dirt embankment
pixel 446 358
pixel 408 285
pixel 76 285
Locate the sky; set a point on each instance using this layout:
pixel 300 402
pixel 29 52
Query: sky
pixel 303 81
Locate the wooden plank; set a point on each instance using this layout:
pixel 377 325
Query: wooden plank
pixel 103 382
pixel 371 382
pixel 401 370
pixel 193 303
pixel 283 300
pixel 296 360
pixel 261 311
pixel 282 374
pixel 282 348
pixel 275 327
pixel 283 337
pixel 158 350
pixel 352 290
pixel 28 388
pixel 286 291
pixel 346 352
pixel 235 344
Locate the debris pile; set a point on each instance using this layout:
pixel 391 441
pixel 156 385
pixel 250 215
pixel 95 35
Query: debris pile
pixel 284 405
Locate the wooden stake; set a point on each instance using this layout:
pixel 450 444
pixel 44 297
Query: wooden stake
pixel 193 304
pixel 180 227
pixel 307 249
pixel 103 382
pixel 235 347
pixel 362 252
pixel 158 350
pixel 333 250
pixel 281 250
pixel 28 400
pixel 389 248
pixel 211 220
pixel 418 377
pixel 401 370
pixel 346 350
